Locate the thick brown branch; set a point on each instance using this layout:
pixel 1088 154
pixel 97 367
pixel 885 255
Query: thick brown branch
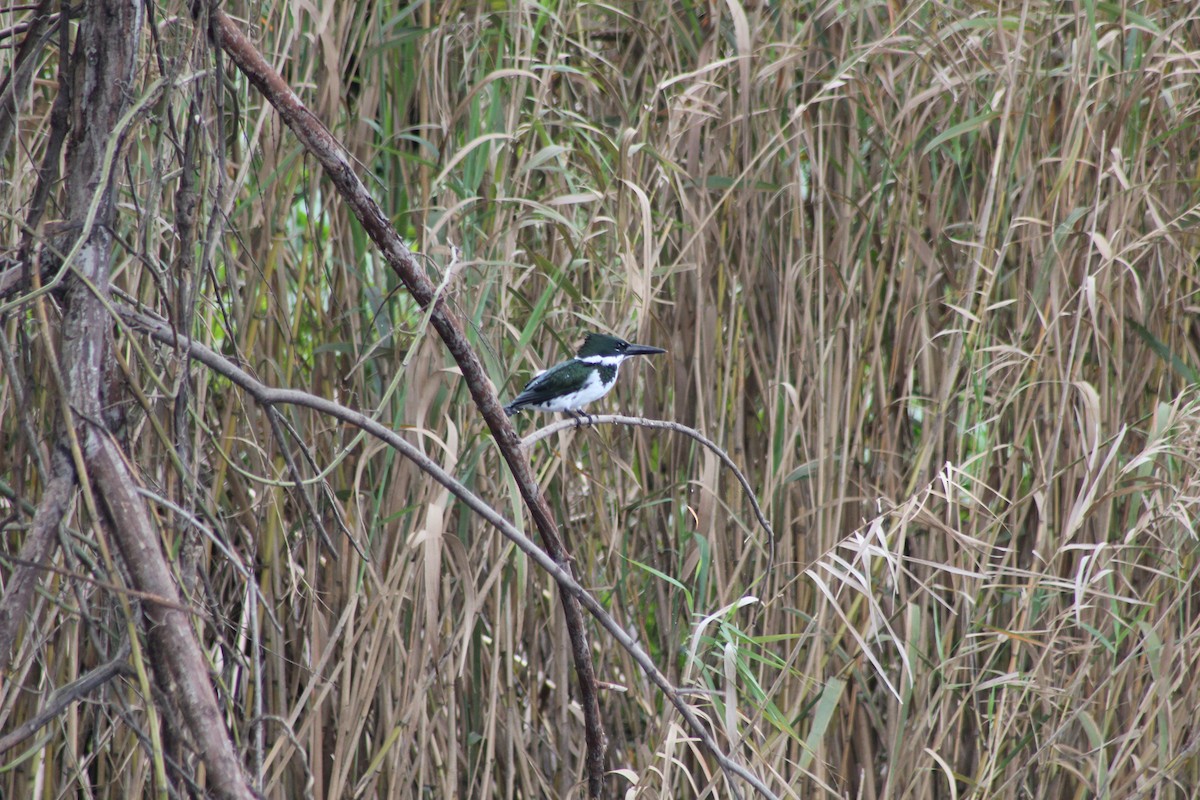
pixel 180 666
pixel 320 142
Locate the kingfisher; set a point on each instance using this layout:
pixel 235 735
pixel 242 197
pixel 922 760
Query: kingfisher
pixel 570 385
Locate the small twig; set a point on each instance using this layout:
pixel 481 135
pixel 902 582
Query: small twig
pixel 35 552
pixel 24 422
pixel 259 722
pixel 194 522
pixel 311 460
pixel 137 594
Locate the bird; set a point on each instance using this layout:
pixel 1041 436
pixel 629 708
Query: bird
pixel 570 385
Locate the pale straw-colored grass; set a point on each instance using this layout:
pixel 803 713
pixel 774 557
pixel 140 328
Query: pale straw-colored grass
pixel 927 271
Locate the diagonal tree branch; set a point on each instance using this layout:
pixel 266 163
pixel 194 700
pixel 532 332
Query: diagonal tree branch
pixel 67 695
pixel 317 139
pixel 180 666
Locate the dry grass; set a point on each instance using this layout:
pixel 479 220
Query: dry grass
pixel 926 272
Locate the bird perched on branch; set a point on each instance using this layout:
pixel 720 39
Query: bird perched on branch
pixel 570 385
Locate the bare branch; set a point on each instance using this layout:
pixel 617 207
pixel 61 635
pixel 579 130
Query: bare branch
pixel 66 695
pixel 267 397
pixel 180 664
pixel 663 424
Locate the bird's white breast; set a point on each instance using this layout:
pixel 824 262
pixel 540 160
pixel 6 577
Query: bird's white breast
pixel 593 389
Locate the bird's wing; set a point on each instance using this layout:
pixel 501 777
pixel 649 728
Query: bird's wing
pixel 540 388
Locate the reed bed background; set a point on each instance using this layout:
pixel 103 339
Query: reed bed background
pixel 927 271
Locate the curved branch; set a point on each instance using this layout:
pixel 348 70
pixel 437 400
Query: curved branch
pixel 668 425
pixel 267 397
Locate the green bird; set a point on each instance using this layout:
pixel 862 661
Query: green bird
pixel 570 385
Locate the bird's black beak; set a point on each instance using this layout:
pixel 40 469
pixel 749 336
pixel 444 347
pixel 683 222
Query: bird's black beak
pixel 642 350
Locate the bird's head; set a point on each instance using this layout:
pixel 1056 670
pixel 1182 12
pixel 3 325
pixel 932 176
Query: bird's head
pixel 601 348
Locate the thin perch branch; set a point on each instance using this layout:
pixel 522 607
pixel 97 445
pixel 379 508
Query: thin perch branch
pixel 663 424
